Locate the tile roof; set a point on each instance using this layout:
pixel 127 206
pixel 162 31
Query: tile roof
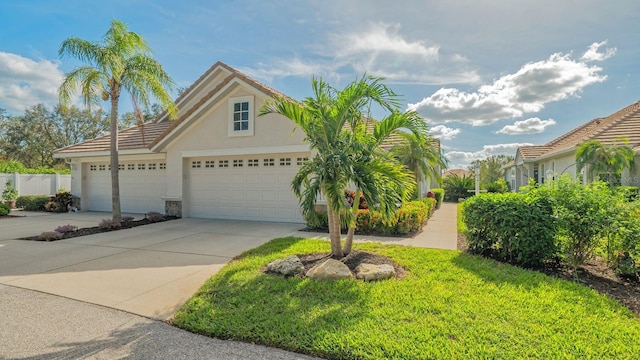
pixel 136 137
pixel 624 123
pixel 459 172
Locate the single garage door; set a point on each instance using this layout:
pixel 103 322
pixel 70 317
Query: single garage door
pixel 245 187
pixel 141 185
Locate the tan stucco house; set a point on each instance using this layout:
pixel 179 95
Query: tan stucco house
pixel 557 157
pixel 217 160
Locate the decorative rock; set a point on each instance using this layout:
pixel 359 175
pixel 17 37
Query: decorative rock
pixel 289 266
pixel 371 272
pixel 330 270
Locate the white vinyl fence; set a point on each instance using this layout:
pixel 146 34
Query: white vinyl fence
pixel 36 184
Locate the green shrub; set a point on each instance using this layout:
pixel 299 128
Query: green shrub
pixel 515 227
pixel 4 209
pixel 457 187
pixel 61 202
pixel 407 219
pixel 431 205
pixel 499 186
pixel 622 248
pixel 630 193
pixel 439 196
pixel 32 202
pixel 584 215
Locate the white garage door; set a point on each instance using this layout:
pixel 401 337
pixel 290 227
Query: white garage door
pixel 245 188
pixel 141 185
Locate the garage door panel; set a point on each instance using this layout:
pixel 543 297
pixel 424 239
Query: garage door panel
pixel 249 192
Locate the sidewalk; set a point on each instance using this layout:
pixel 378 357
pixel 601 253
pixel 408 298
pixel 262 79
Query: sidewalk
pixel 441 232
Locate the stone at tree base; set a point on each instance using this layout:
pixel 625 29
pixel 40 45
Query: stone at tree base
pixel 289 266
pixel 330 269
pixel 371 272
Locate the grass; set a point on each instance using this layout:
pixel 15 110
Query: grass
pixel 451 305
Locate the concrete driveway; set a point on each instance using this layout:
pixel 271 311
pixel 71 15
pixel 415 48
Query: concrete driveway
pixel 149 270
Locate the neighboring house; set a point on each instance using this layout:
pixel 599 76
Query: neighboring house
pixel 217 160
pixel 557 157
pixel 459 172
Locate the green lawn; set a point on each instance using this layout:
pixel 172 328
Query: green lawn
pixel 450 305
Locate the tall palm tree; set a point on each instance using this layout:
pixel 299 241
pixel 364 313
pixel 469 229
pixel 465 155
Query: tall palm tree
pixel 334 123
pixel 121 62
pixel 608 159
pixel 421 156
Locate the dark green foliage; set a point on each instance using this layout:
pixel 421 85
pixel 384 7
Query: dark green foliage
pixel 32 202
pixel 499 186
pixel 4 209
pixel 407 219
pixel 439 196
pixel 516 227
pixel 630 193
pixel 457 187
pixel 60 202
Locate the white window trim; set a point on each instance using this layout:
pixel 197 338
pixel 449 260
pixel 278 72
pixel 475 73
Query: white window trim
pixel 250 130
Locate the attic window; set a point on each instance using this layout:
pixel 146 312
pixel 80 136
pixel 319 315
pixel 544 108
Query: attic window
pixel 241 116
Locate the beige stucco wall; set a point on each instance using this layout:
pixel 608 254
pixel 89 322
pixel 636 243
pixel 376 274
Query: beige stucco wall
pixel 209 133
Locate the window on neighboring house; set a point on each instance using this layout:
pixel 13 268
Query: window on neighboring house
pixel 102 167
pixel 131 166
pixel 196 164
pixel 237 163
pixel 162 166
pixel 93 167
pixel 152 166
pixel 253 162
pixel 141 166
pixel 241 116
pixel 223 163
pixel 209 163
pixel 268 162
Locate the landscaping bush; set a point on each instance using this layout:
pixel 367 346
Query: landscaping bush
pixel 349 195
pixel 407 219
pixel 4 209
pixel 630 193
pixel 499 186
pixel 431 205
pixel 61 202
pixel 66 228
pixel 439 196
pixel 109 224
pixel 514 227
pixel 154 216
pixel 32 202
pixel 622 248
pixel 584 214
pixel 50 236
pixel 457 187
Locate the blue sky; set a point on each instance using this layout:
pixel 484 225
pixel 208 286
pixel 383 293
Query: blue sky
pixel 487 76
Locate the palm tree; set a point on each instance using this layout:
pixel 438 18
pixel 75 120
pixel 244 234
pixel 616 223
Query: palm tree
pixel 121 62
pixel 421 156
pixel 610 160
pixel 334 122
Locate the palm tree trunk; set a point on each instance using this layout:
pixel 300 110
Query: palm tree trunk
pixel 115 181
pixel 348 243
pixel 334 230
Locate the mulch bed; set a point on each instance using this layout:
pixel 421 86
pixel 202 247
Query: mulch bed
pixel 596 275
pixel 98 230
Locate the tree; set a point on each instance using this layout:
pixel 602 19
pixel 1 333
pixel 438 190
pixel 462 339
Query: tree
pixel 609 160
pixel 122 62
pixel 335 125
pixel 31 138
pixel 421 155
pixel 491 168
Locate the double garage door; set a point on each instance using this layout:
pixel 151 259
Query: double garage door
pixel 244 187
pixel 141 186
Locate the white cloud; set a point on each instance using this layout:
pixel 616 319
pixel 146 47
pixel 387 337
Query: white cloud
pixel 512 95
pixel 25 82
pixel 379 50
pixel 462 159
pixel 443 132
pixel 594 54
pixel 530 126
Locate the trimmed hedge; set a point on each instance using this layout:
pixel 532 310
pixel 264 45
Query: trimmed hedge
pixel 408 219
pixel 439 196
pixel 32 202
pixel 4 209
pixel 515 227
